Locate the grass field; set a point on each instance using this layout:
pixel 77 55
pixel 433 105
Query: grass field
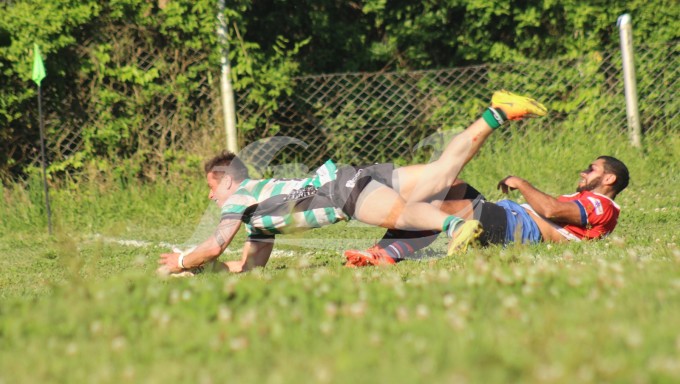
pixel 85 306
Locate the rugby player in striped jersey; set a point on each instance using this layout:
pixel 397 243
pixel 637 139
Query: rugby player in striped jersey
pixel 378 194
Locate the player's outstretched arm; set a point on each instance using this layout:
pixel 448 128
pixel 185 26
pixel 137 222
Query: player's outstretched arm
pixel 256 253
pixel 544 204
pixel 209 250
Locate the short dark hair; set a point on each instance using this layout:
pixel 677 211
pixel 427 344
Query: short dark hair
pixel 226 163
pixel 618 168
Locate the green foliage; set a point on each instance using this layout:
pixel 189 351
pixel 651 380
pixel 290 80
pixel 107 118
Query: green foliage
pixel 130 74
pixel 137 79
pixel 457 32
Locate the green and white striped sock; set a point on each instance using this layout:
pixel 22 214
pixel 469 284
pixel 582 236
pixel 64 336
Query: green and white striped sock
pixel 494 117
pixel 451 224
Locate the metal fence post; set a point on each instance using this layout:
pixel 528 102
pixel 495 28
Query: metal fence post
pixel 228 105
pixel 629 84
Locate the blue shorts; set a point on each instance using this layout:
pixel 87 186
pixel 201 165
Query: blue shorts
pixel 520 224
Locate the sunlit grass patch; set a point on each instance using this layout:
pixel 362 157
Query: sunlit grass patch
pixel 586 312
pixel 86 306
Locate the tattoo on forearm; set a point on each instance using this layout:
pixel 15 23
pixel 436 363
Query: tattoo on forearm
pixel 219 238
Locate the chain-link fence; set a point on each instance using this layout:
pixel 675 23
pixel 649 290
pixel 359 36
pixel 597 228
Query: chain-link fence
pixel 370 117
pixel 367 117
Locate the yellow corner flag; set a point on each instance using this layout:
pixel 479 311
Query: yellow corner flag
pixel 38 66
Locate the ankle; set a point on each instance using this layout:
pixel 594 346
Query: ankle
pixel 451 224
pixel 495 117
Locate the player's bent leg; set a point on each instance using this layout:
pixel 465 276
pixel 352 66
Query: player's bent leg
pixel 398 244
pixel 434 179
pixel 442 172
pixel 405 179
pixel 379 205
pixel 382 206
pixel 466 235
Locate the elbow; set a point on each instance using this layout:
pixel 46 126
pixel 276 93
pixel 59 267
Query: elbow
pixel 548 214
pixel 551 212
pixel 214 252
pixel 210 254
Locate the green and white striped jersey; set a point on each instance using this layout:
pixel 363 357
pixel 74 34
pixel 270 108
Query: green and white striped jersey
pixel 273 206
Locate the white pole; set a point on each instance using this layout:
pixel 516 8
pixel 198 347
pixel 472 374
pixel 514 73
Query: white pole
pixel 228 104
pixel 630 87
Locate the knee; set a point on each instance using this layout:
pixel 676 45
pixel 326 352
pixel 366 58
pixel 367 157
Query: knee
pixel 394 218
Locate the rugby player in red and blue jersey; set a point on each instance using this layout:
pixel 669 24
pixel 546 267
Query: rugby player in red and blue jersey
pixel 590 213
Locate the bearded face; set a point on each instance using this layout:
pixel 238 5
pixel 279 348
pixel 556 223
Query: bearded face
pixel 591 185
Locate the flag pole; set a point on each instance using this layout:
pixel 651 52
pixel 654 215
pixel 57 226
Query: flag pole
pixel 43 161
pixel 38 75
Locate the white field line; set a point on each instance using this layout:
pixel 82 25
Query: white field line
pixel 308 246
pixel 331 244
pixel 169 246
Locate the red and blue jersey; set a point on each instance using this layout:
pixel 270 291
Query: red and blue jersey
pixel 599 215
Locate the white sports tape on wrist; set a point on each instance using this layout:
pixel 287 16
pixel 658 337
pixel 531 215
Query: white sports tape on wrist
pixel 180 259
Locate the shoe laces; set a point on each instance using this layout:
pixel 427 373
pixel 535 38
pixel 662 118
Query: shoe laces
pixel 377 252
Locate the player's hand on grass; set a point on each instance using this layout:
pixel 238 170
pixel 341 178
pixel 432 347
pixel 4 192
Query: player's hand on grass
pixel 168 263
pixel 508 184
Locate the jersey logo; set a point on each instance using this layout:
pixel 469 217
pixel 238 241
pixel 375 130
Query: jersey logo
pixel 351 183
pixel 597 204
pixel 302 193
